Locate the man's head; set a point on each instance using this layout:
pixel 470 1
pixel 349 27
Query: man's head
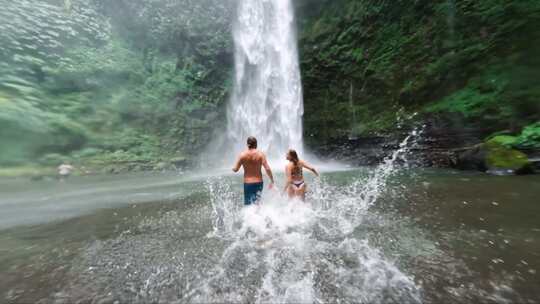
pixel 252 142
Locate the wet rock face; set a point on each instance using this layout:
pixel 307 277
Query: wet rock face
pixel 434 147
pixel 471 159
pixel 363 151
pixel 444 143
pixel 368 151
pixel 534 158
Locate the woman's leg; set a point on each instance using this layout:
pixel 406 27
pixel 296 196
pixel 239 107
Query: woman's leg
pixel 291 191
pixel 301 192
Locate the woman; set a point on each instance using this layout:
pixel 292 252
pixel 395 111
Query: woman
pixel 296 186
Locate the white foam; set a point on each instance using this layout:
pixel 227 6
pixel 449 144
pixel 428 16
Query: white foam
pixel 285 251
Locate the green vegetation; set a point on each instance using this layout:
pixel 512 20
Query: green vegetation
pixel 471 59
pixel 529 138
pixel 111 85
pixel 33 171
pixel 506 141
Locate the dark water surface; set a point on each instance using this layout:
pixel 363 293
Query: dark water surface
pixel 431 236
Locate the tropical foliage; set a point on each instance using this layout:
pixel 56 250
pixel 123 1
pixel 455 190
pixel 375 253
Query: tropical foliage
pixel 466 59
pixel 111 81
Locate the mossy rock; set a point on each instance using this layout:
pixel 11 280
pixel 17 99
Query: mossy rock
pixel 501 159
pixel 507 141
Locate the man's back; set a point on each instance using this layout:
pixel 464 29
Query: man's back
pixel 252 161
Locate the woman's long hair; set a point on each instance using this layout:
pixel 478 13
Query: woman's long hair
pixel 293 156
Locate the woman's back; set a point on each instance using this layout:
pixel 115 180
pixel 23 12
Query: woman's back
pixel 296 170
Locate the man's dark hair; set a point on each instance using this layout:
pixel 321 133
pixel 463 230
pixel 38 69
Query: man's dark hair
pixel 252 142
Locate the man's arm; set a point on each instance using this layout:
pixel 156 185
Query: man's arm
pixel 238 164
pixel 268 170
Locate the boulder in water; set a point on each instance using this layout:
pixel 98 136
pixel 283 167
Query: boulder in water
pixel 503 160
pixel 494 157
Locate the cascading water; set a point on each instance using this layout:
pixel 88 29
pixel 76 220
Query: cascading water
pixel 267 98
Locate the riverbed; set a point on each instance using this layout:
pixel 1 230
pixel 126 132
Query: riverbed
pixel 369 235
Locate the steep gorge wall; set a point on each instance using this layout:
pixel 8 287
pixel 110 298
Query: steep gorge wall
pixel 468 67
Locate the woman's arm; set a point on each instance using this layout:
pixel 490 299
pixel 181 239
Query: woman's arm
pixel 310 168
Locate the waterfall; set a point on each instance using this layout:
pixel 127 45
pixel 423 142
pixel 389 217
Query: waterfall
pixel 267 98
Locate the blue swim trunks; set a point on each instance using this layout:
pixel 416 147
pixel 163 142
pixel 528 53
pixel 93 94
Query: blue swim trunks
pixel 252 193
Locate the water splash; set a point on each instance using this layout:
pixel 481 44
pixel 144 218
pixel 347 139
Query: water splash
pixel 224 206
pixel 285 252
pixel 267 97
pixel 278 252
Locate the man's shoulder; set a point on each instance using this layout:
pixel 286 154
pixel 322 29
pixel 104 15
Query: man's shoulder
pixel 242 155
pixel 261 156
pixel 252 152
pixel 245 155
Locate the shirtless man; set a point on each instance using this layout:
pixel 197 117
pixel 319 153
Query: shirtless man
pixel 252 160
